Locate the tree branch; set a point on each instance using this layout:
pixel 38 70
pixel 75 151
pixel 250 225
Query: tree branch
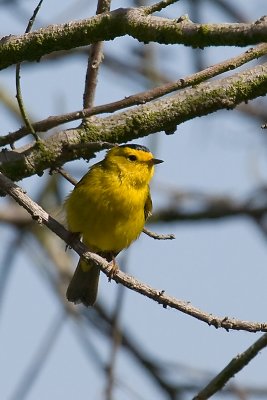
pixel 94 61
pixel 159 6
pixel 210 211
pixel 236 365
pixel 19 97
pixel 208 208
pixel 159 296
pixel 142 97
pixel 164 114
pixel 127 21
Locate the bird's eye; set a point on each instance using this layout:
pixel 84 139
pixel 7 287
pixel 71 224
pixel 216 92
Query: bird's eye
pixel 132 157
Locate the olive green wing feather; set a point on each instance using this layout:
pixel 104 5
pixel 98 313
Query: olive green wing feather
pixel 148 206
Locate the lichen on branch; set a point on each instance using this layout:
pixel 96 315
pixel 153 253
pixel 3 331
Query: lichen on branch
pixel 127 21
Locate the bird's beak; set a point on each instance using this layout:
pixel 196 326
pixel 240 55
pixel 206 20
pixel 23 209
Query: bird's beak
pixel 156 161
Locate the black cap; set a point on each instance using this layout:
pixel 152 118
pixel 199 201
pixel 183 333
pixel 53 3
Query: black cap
pixel 136 147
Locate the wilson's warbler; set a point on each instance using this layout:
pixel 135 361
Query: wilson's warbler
pixel 108 209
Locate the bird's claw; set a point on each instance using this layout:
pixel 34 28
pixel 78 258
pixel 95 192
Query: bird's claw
pixel 113 271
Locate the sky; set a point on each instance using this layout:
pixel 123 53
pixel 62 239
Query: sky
pixel 219 266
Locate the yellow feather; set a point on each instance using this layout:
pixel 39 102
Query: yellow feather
pixel 108 207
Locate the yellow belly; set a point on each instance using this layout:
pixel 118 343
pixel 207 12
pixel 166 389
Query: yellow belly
pixel 109 216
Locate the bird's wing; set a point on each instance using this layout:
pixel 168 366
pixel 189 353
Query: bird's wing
pixel 148 206
pixel 87 177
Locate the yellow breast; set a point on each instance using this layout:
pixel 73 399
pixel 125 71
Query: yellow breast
pixel 107 210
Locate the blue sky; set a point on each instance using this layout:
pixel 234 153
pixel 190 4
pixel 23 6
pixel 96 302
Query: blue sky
pixel 218 266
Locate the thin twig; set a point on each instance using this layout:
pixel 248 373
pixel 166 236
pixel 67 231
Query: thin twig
pixel 156 236
pixel 23 112
pixel 33 17
pixel 158 6
pixel 159 370
pixel 236 365
pixel 99 319
pixel 141 97
pixel 18 87
pixel 159 296
pixel 94 61
pixel 66 175
pixel 150 365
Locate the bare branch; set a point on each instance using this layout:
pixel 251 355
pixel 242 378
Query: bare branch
pixel 235 366
pixel 163 114
pixel 212 210
pixel 66 175
pixel 23 112
pixel 154 235
pixel 133 22
pixel 142 97
pixel 159 6
pixel 159 296
pixel 94 61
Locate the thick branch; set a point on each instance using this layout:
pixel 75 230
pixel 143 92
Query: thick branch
pixel 142 97
pixel 160 297
pixel 163 114
pixel 121 22
pixel 52 153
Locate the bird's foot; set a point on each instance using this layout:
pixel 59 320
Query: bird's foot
pixel 72 236
pixel 114 269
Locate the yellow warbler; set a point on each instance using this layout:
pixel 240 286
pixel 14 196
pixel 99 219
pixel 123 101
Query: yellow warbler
pixel 108 209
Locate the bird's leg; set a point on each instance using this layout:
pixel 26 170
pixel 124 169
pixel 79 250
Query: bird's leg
pixel 72 237
pixel 114 267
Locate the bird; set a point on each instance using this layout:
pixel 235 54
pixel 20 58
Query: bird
pixel 108 209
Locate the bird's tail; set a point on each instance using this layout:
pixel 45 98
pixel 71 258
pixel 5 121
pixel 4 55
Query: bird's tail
pixel 84 284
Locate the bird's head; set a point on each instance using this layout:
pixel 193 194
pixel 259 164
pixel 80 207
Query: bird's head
pixel 133 161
